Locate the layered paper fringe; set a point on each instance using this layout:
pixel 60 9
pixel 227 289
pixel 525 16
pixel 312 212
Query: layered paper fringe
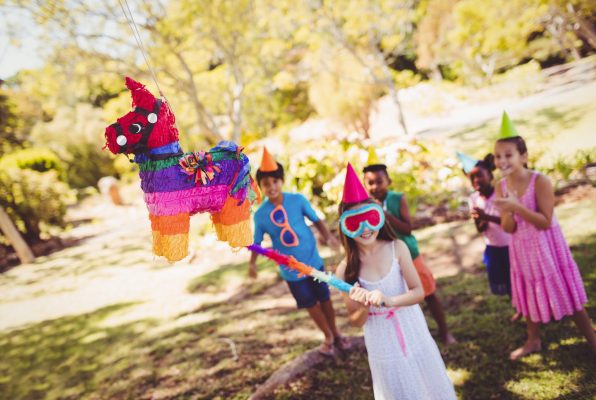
pixel 232 212
pixel 170 224
pixel 198 199
pixel 172 247
pixel 158 165
pixel 237 235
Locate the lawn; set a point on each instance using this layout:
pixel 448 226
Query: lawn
pixel 225 349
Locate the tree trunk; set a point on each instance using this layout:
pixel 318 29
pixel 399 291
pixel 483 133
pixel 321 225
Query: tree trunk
pixel 14 237
pixel 204 119
pixel 236 106
pixel 584 28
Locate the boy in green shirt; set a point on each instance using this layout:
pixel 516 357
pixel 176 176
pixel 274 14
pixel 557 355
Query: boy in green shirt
pixel 397 215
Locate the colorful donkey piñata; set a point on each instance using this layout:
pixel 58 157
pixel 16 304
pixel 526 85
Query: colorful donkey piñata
pixel 178 185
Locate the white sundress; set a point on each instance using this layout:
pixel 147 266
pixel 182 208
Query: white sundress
pixel 404 359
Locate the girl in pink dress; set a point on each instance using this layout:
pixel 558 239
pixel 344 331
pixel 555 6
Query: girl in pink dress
pixel 545 281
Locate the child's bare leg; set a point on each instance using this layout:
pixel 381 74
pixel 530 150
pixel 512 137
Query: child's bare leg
pixel 533 343
pixel 329 312
pixel 583 323
pixel 436 309
pixel 515 316
pixel 317 315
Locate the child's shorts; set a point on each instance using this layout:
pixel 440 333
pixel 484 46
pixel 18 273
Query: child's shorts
pixel 429 285
pixel 496 260
pixel 308 292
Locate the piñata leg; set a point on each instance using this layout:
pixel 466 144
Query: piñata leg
pixel 232 223
pixel 170 235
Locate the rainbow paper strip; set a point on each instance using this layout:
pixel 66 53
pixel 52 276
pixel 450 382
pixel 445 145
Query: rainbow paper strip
pixel 303 269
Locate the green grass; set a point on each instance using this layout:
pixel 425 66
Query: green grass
pixel 479 364
pixel 83 357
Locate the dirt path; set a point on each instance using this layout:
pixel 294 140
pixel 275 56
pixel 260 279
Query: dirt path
pixel 112 263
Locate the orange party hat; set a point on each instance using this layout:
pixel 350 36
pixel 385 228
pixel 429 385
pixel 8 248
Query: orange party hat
pixel 268 164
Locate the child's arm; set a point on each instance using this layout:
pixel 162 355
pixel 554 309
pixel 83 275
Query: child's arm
pixel 252 265
pixel 545 202
pixel 330 240
pixel 403 225
pixel 357 312
pixel 481 224
pixel 415 293
pixel 507 221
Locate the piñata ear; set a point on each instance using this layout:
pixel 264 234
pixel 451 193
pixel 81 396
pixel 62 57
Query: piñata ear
pixel 140 95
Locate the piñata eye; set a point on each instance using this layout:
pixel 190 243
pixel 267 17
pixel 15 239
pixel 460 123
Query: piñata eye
pixel 135 128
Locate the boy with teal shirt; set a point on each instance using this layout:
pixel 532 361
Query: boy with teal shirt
pixel 282 216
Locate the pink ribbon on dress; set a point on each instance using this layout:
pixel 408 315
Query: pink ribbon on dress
pixel 390 314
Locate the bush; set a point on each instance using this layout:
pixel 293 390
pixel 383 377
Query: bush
pixel 34 200
pixel 563 170
pixel 427 174
pixel 37 159
pixel 76 135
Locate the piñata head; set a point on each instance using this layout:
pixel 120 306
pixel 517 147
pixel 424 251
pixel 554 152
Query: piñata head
pixel 149 125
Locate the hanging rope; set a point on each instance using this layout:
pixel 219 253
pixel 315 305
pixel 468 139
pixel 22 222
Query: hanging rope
pixel 137 35
pixel 138 38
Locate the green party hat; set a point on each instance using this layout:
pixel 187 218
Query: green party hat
pixel 507 128
pixel 372 157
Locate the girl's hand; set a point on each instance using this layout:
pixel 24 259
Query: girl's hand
pixel 358 293
pixel 509 203
pixel 375 298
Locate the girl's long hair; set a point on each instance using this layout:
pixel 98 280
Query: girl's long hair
pixel 352 254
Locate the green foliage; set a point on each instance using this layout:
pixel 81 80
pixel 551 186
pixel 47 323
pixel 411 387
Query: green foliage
pixel 9 136
pixel 488 38
pixel 76 136
pixel 37 159
pixel 566 168
pixel 346 100
pixel 427 174
pixel 34 200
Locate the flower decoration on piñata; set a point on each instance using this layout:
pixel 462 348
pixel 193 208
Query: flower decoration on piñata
pixel 200 165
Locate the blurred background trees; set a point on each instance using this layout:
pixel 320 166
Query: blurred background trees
pixel 246 70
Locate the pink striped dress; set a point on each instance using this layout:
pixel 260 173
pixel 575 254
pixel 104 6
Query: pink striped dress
pixel 545 280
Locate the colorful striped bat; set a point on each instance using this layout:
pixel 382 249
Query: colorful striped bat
pixel 302 268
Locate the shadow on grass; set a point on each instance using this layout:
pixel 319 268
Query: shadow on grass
pixel 479 364
pixel 70 356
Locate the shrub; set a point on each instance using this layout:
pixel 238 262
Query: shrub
pixel 33 199
pixel 76 135
pixel 427 174
pixel 37 159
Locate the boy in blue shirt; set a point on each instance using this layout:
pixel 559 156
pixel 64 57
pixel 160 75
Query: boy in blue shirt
pixel 281 216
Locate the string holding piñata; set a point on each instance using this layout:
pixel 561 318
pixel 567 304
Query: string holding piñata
pixel 177 184
pixel 303 269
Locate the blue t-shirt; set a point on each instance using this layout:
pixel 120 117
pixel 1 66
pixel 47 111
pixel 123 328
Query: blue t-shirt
pixel 296 208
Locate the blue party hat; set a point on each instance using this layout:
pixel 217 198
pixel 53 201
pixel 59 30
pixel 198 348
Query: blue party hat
pixel 468 163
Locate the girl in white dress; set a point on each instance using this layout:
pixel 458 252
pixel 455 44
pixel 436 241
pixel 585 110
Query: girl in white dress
pixel 404 360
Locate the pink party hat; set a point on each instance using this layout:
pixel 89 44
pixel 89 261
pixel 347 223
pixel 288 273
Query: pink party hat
pixel 354 191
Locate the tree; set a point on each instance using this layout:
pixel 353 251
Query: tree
pixel 487 38
pixel 374 33
pixel 431 35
